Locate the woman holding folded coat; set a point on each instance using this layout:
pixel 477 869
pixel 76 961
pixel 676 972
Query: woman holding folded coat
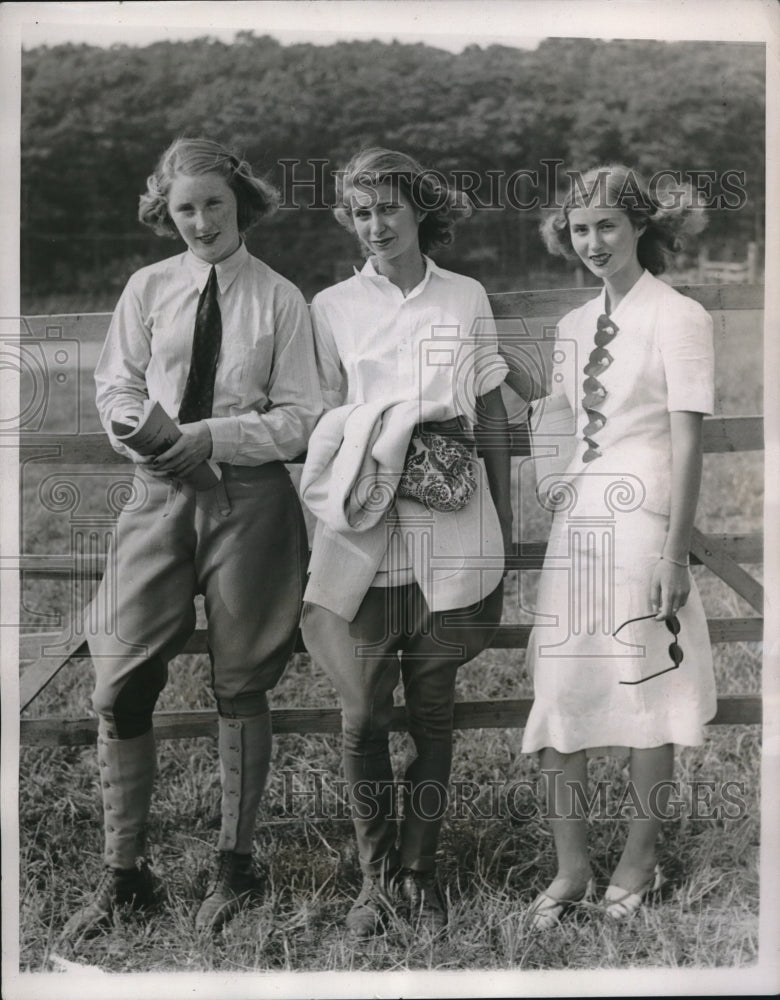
pixel 403 346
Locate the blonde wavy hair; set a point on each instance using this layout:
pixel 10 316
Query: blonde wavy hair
pixel 427 190
pixel 618 186
pixel 255 197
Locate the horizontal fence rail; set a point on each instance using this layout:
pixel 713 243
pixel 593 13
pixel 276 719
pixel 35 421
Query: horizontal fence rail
pixel 720 434
pixel 742 548
pixel 505 713
pixel 544 303
pixel 77 339
pixel 555 302
pixel 506 637
pixel 51 653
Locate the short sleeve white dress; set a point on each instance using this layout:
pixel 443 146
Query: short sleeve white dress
pixel 609 525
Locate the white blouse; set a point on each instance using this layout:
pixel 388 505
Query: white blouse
pixel 438 343
pixel 662 361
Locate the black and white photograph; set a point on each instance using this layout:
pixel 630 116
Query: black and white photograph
pixel 388 459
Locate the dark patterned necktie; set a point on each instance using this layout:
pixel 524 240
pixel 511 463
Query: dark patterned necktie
pixel 198 395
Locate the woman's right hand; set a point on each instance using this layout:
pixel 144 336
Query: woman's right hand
pixel 669 588
pixel 146 462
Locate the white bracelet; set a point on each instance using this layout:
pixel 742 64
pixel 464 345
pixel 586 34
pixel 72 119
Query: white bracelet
pixel 685 565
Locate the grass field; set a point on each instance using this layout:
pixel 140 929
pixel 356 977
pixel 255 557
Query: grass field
pixel 493 859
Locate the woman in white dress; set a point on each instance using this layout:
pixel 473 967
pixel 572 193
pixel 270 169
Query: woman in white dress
pixel 620 654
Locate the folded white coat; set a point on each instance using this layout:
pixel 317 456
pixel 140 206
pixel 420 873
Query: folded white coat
pixel 356 457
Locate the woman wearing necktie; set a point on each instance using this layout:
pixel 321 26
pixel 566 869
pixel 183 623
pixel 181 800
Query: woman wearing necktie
pixel 224 345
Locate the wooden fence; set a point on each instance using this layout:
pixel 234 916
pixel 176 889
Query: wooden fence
pixel 521 316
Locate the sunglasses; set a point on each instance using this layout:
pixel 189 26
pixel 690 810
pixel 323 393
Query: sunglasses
pixel 675 650
pixel 598 361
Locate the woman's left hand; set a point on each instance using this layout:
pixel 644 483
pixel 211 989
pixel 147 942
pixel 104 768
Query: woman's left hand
pixel 193 447
pixel 669 588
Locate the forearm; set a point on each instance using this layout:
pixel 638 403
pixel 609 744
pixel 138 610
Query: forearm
pixel 120 373
pixel 686 428
pixel 280 434
pixel 493 441
pixel 519 380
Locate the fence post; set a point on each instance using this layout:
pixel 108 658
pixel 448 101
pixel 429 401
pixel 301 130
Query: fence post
pixel 702 264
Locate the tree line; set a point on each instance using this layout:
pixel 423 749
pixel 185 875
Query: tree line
pixel 500 119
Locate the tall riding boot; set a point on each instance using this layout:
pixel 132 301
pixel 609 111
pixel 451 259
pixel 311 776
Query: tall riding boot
pixel 244 759
pixel 127 770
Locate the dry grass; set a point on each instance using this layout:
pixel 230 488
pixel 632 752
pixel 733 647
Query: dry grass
pixel 491 867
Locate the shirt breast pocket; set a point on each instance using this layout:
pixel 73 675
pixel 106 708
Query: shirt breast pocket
pixel 243 374
pixel 439 373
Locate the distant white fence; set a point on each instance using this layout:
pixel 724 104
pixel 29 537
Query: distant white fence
pixel 721 272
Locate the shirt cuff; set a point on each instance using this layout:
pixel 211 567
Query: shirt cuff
pixel 224 438
pixel 121 449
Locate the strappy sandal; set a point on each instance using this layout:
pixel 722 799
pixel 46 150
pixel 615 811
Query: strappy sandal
pixel 546 911
pixel 620 904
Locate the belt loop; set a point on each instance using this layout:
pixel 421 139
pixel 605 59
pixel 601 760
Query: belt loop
pixel 174 489
pixel 222 498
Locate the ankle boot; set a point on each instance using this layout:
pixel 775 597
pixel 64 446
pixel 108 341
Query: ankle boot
pixel 233 883
pixel 117 887
pixel 427 906
pixel 244 758
pixel 372 908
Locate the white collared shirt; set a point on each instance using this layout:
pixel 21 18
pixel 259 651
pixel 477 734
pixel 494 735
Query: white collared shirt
pixel 266 394
pixel 662 361
pixel 438 343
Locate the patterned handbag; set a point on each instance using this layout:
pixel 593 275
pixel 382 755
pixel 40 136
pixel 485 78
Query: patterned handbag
pixel 439 471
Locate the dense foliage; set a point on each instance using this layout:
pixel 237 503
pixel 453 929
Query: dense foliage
pixel 94 121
